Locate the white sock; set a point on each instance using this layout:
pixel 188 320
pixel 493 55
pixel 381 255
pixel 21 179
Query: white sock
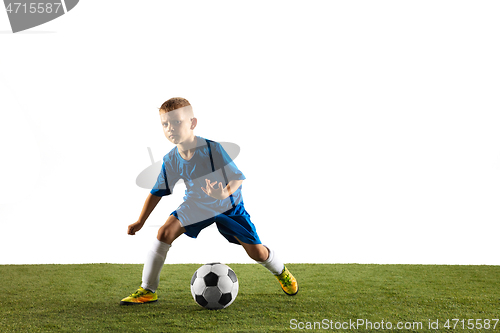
pixel 153 265
pixel 273 263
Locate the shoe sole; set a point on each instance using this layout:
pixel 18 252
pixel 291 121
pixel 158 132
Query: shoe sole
pixel 132 303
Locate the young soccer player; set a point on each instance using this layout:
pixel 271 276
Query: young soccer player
pixel 213 194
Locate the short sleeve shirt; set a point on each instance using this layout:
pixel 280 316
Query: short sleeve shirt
pixel 194 172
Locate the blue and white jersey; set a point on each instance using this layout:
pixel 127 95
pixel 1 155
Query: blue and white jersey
pixel 209 161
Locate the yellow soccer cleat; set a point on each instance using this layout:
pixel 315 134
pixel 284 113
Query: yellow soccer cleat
pixel 141 296
pixel 288 282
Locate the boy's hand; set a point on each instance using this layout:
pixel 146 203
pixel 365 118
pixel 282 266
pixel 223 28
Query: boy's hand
pixel 219 193
pixel 134 227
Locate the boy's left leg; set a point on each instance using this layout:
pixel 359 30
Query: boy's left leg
pixel 154 263
pixel 268 258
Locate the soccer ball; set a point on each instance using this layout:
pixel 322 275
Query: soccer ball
pixel 214 286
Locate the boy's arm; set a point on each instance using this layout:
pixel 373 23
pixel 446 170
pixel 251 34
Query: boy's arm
pixel 233 185
pixel 221 193
pixel 149 205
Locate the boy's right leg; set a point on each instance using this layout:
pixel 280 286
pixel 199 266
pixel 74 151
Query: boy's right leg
pixel 154 263
pixel 268 258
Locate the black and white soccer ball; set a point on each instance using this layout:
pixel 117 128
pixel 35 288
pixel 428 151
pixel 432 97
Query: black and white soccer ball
pixel 214 286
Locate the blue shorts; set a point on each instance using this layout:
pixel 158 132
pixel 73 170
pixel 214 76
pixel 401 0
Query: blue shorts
pixel 232 223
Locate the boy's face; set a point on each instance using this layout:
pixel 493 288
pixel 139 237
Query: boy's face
pixel 178 125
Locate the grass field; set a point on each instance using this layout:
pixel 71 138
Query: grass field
pixel 74 298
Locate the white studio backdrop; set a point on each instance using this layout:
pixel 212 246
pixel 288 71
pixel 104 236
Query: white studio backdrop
pixel 368 130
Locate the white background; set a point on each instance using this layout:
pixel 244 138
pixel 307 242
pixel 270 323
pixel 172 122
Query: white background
pixel 369 130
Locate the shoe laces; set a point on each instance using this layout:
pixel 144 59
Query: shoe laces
pixel 286 280
pixel 139 292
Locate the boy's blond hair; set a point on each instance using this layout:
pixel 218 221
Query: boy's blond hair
pixel 174 104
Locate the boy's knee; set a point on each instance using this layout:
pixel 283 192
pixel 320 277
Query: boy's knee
pixel 166 234
pixel 163 235
pixel 170 230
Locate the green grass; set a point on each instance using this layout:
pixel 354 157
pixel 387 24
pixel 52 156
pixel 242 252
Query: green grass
pixel 74 298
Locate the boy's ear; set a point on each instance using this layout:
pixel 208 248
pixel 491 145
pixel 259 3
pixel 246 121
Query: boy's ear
pixel 194 122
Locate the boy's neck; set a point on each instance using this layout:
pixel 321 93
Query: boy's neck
pixel 187 148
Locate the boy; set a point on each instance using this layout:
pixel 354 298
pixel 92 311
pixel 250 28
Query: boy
pixel 213 194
